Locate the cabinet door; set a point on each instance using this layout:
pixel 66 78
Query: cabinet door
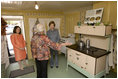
pixel 90 30
pixel 100 64
pixel 99 30
pixel 70 56
pixel 90 64
pixel 80 60
pixel 96 30
pixel 77 58
pixel 80 29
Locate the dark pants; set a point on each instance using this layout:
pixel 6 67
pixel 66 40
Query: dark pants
pixel 41 68
pixel 54 52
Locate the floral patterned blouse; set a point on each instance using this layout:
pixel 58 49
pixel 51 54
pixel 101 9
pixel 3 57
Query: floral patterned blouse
pixel 40 46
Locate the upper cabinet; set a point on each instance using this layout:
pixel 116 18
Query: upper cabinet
pixel 93 30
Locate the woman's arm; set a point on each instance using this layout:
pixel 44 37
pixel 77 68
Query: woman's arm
pixel 55 46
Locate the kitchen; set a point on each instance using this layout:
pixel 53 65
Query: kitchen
pixel 91 27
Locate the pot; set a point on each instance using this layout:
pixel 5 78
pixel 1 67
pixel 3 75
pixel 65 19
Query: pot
pixel 87 43
pixel 81 44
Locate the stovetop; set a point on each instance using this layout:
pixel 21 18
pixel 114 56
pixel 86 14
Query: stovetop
pixel 92 51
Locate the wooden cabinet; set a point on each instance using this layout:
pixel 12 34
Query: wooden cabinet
pixel 89 64
pixel 100 64
pixel 93 30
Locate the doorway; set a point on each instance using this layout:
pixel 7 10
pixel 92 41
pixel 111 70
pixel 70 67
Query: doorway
pixel 13 21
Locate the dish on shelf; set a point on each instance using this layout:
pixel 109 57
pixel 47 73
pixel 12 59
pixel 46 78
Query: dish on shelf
pixel 92 18
pixel 87 19
pixel 98 18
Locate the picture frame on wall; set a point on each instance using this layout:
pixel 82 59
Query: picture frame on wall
pixel 93 16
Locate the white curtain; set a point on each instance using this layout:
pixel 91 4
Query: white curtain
pixel 112 57
pixel 4 52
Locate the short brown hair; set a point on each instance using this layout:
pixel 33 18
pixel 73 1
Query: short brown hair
pixel 52 22
pixel 3 26
pixel 14 31
pixel 3 22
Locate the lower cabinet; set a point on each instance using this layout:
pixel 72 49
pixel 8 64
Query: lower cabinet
pixel 91 65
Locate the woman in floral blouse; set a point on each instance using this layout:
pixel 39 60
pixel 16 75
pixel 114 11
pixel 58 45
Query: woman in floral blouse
pixel 40 44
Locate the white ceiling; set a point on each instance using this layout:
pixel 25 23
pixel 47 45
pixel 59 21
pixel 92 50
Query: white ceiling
pixel 48 5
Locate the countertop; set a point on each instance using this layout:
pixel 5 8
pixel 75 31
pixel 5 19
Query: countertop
pixel 92 51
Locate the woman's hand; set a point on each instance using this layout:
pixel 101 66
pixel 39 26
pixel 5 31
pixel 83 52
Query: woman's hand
pixel 66 44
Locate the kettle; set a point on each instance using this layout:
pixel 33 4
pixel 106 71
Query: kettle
pixel 87 43
pixel 81 44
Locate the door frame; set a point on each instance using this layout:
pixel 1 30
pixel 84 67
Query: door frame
pixel 22 27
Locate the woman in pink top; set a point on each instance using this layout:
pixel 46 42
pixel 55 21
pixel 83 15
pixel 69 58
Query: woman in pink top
pixel 18 43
